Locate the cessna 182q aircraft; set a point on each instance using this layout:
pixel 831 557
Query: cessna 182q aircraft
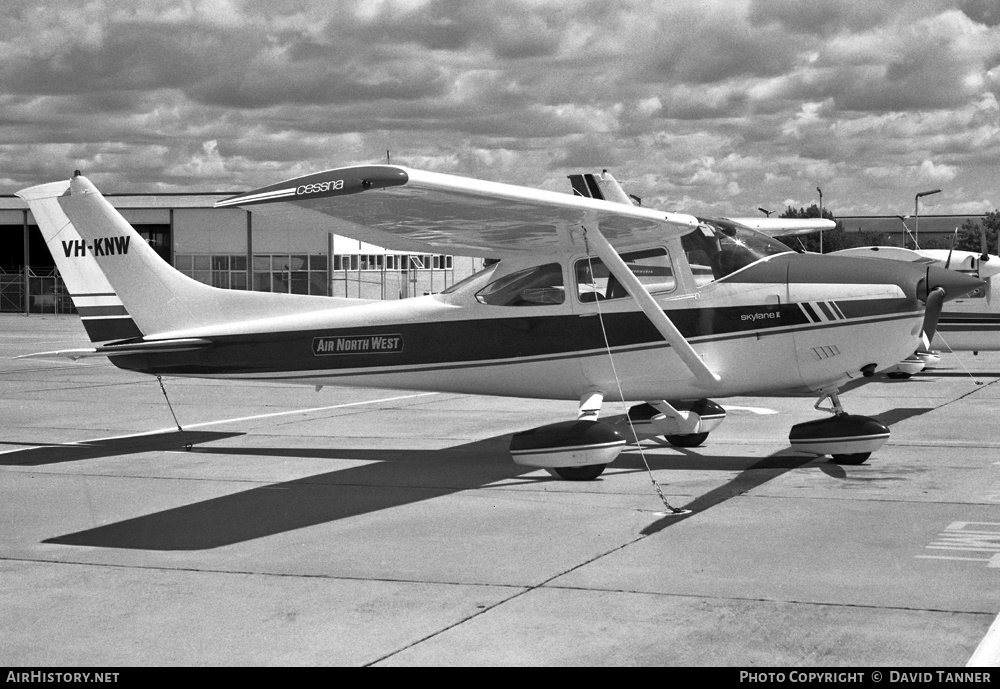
pixel 593 300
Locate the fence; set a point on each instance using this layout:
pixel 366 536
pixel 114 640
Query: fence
pixel 46 292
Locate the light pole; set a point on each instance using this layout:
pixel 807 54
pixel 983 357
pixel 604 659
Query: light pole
pixel 916 215
pixel 820 217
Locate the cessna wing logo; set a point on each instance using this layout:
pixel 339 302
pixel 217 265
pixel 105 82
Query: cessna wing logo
pixel 102 246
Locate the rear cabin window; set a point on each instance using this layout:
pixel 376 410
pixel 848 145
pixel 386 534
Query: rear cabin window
pixel 652 267
pixel 538 286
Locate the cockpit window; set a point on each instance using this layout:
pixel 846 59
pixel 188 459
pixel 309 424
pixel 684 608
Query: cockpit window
pixel 538 286
pixel 717 249
pixel 652 267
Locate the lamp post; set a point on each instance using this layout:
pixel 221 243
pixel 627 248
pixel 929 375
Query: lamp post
pixel 820 217
pixel 916 215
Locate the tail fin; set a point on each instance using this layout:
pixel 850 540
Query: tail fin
pixel 604 187
pixel 120 285
pixel 103 314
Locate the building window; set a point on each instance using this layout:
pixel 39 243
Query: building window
pixel 297 273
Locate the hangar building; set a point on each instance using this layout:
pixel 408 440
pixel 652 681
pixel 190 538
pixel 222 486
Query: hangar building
pixel 224 247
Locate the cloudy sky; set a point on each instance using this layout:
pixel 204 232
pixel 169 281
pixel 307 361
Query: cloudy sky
pixel 702 106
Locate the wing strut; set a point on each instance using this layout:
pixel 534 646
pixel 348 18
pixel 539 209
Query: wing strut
pixel 654 313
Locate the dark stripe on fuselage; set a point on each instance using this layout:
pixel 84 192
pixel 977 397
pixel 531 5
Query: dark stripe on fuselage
pixel 489 341
pixel 98 311
pixel 105 329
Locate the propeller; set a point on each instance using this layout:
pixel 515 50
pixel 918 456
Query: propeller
pixel 932 312
pixel 954 236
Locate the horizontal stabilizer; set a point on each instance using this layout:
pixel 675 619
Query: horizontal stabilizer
pixel 147 347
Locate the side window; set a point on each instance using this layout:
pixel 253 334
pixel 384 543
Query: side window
pixel 538 286
pixel 652 266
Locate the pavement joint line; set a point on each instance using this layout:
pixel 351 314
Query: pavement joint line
pixel 304 482
pixel 496 605
pixel 248 573
pixel 791 601
pixel 522 589
pixel 879 500
pixel 546 584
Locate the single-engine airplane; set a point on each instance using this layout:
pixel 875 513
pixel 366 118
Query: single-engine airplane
pixel 592 300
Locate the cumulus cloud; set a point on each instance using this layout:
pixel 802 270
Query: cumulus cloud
pixel 720 105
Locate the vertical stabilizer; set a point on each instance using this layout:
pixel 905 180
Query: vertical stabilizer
pixel 121 287
pixel 604 187
pixel 103 314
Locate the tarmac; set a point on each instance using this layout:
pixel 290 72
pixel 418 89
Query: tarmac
pixel 282 526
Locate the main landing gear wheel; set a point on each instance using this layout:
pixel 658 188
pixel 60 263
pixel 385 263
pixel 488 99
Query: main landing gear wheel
pixel 585 473
pixel 856 458
pixel 899 375
pixel 847 438
pixel 689 440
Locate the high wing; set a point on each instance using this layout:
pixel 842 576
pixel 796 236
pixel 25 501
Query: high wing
pixel 782 227
pixel 414 210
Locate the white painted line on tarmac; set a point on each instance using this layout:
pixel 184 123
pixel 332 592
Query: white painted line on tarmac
pixel 760 411
pixel 238 419
pixel 303 411
pixel 987 654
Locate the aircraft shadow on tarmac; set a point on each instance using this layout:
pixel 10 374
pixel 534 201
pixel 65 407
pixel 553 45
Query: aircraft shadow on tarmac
pixel 389 478
pixel 94 449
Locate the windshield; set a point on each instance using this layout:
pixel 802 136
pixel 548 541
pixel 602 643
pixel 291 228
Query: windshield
pixel 534 286
pixel 472 278
pixel 717 248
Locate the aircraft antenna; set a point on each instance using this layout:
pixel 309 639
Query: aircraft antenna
pixel 671 510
